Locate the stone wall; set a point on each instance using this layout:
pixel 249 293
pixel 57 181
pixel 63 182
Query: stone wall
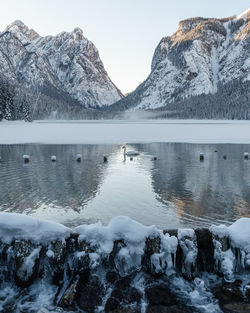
pixel 87 281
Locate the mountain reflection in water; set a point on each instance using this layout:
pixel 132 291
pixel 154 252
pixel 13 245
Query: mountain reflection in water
pixel 176 190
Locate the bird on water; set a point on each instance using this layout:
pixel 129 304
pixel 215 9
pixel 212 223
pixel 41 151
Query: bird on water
pixel 129 153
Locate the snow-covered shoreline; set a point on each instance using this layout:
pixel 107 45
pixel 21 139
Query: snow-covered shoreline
pixel 125 131
pixel 23 227
pixel 59 267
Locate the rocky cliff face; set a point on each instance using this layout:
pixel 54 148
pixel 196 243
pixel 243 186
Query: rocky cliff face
pixel 66 67
pixel 203 57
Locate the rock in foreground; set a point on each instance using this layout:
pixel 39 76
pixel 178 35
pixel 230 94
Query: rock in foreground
pixel 124 267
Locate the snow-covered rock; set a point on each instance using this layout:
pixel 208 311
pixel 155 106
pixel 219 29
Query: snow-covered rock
pixel 22 227
pixel 203 56
pixel 66 65
pixel 124 265
pixel 232 246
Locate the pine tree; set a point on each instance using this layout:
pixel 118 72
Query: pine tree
pixel 7 108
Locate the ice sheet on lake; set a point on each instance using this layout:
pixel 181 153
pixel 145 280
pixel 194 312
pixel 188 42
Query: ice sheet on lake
pixel 122 131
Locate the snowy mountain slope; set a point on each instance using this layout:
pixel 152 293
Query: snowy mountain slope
pixel 199 59
pixel 67 64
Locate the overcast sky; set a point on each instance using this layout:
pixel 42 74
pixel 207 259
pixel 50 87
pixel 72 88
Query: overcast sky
pixel 126 32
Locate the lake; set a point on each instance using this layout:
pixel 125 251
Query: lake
pixel 176 190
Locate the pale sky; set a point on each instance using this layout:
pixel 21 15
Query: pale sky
pixel 126 32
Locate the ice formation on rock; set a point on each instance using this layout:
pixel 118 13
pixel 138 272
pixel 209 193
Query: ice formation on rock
pixel 121 267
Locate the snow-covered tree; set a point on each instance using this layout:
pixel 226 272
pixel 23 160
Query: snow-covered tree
pixel 7 108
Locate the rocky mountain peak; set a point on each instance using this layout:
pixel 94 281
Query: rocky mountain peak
pixel 22 32
pixel 204 59
pixel 17 24
pixel 189 24
pixel 244 15
pixel 78 33
pixel 63 68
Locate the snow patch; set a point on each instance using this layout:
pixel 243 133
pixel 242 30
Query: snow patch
pixel 239 233
pixel 243 15
pixel 215 68
pixel 220 231
pixel 19 226
pixel 228 35
pixel 239 236
pixel 129 235
pixel 119 228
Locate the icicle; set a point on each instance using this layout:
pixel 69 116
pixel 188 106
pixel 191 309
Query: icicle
pixel 188 243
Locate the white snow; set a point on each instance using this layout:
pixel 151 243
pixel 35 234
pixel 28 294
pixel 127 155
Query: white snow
pixel 240 233
pixel 243 15
pixel 19 226
pixel 187 241
pixel 125 131
pixel 119 228
pixel 133 234
pixel 228 36
pixel 163 261
pixel 221 230
pixel 185 232
pixel 214 68
pixel 50 254
pixel 29 262
pixel 224 260
pixel 102 238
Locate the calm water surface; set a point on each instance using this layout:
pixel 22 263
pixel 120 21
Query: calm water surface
pixel 176 190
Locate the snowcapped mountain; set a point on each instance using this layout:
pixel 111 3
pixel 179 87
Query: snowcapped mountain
pixel 66 66
pixel 207 59
pixel 201 71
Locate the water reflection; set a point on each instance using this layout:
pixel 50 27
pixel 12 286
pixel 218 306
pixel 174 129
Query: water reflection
pixel 216 190
pixel 174 190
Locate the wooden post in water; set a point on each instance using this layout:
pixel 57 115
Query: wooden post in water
pixel 79 158
pixel 246 155
pixel 26 158
pixel 105 158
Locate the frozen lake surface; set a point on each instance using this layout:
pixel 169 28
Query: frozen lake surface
pixel 132 131
pixel 176 190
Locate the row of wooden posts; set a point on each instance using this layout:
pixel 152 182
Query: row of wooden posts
pixel 245 155
pixel 26 157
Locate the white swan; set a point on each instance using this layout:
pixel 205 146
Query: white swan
pixel 129 153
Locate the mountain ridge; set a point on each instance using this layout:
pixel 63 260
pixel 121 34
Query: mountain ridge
pixel 202 57
pixel 200 71
pixel 66 67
